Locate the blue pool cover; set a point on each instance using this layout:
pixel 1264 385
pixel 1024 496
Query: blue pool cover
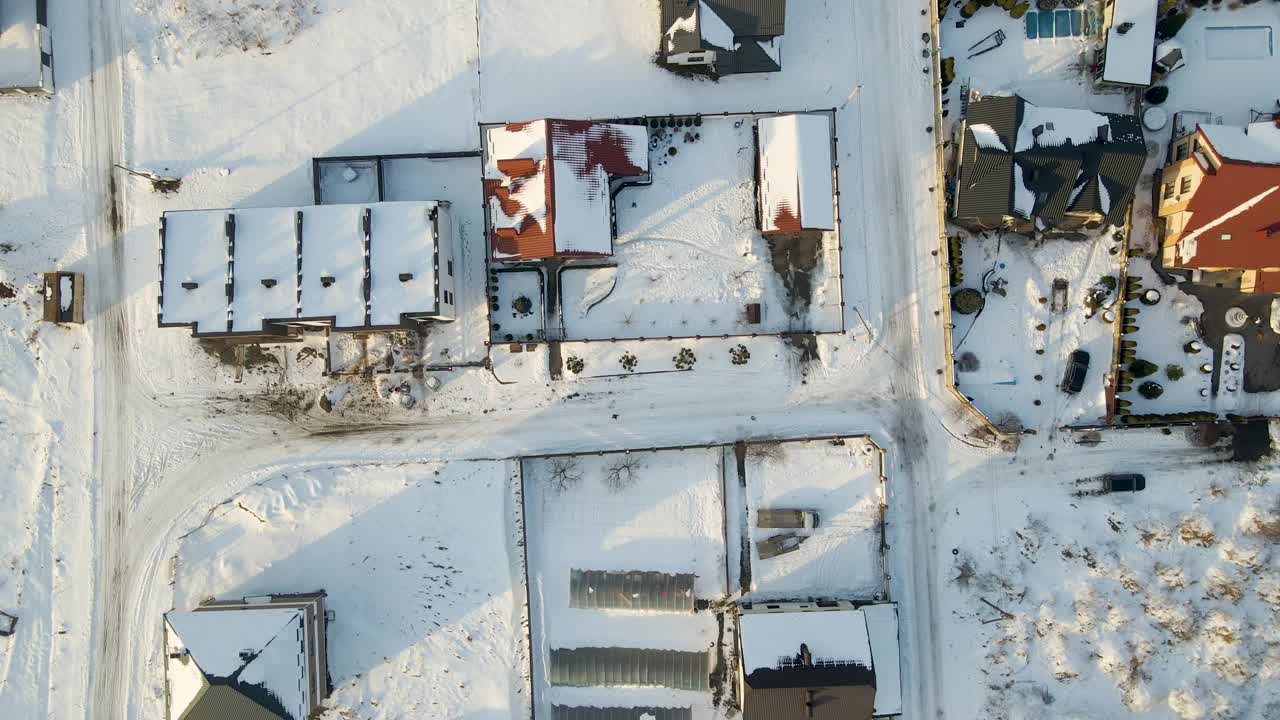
pixel 1062 23
pixel 1046 24
pixel 1032 26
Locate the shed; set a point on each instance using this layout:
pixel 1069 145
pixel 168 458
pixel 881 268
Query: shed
pixel 26 48
pixel 1130 43
pixel 795 173
pixel 64 297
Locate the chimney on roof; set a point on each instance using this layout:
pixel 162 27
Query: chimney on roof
pixel 1037 131
pixel 406 277
pixel 268 283
pixel 806 659
pixel 190 285
pixel 1104 133
pixel 327 280
pixel 1124 27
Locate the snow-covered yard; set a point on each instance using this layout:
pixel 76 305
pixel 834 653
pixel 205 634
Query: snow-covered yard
pixel 1010 356
pixel 429 602
pixel 842 482
pixel 1231 55
pixel 659 511
pixel 1156 604
pixel 689 257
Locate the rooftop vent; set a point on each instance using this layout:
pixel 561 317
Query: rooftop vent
pixel 1104 133
pixel 188 285
pixel 1124 27
pixel 327 280
pixel 268 283
pixel 406 277
pixel 1037 131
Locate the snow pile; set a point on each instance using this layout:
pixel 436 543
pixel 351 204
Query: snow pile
pixel 987 137
pixel 195 29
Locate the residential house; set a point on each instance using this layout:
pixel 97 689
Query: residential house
pixel 826 660
pixel 26 48
pixel 722 37
pixel 64 297
pixel 264 274
pixel 548 186
pixel 260 658
pixel 1131 31
pixel 1219 206
pixel 795 180
pixel 1037 169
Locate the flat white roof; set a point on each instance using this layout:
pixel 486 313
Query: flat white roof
pixel 19 44
pixel 195 251
pixel 882 629
pixel 1129 55
pixel 402 241
pixel 768 638
pixel 266 249
pixel 333 247
pixel 1256 142
pixel 797 191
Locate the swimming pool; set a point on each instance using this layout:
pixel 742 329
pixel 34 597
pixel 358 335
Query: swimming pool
pixel 1249 42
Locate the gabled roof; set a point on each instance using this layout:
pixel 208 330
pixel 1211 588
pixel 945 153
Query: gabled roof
pixel 547 185
pixel 742 33
pixel 1040 163
pixel 1129 53
pixel 246 664
pixel 796 190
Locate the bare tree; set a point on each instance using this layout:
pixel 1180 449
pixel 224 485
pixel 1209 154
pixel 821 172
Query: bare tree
pixel 623 473
pixel 564 473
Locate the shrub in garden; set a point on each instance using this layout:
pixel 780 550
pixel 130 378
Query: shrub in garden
pixel 628 361
pixel 1156 94
pixel 967 301
pixel 1020 9
pixel 1150 390
pixel 739 355
pixel 684 360
pixel 575 365
pixel 1142 368
pixel 1174 372
pixel 1170 24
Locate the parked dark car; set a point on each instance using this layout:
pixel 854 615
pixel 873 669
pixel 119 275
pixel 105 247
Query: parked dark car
pixel 1123 482
pixel 1077 369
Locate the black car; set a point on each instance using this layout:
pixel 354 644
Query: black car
pixel 1123 482
pixel 1077 368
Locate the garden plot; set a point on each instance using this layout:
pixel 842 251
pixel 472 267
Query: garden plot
pixel 1159 604
pixel 841 481
pixel 429 600
pixel 1010 356
pixel 1231 62
pixel 689 260
pixel 517 306
pixel 640 511
pixel 1164 331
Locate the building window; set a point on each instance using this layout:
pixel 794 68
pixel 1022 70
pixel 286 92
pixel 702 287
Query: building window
pixel 450 266
pixel 1195 144
pixel 1185 185
pixel 1180 151
pixel 1226 236
pixel 1168 190
pixel 448 297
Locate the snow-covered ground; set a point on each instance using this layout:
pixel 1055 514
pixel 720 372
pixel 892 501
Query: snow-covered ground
pixel 841 558
pixel 657 511
pixel 689 258
pixel 1231 51
pixel 1158 604
pixel 429 602
pixel 1010 357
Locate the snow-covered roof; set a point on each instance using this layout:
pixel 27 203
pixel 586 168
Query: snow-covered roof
pixel 547 184
pixel 266 249
pixel 1054 127
pixel 195 253
pixel 1129 54
pixel 773 639
pixel 1257 142
pixel 796 188
pixel 715 31
pixel 19 44
pixel 882 629
pixel 258 652
pixel 337 257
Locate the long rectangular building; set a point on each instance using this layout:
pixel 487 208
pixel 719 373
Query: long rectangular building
pixel 264 273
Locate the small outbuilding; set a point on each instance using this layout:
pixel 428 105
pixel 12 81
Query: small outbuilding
pixel 64 297
pixel 26 48
pixel 795 174
pixel 260 658
pixel 1131 35
pixel 824 660
pixel 722 37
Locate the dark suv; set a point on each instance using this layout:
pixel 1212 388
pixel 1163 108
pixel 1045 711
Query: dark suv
pixel 1123 482
pixel 1077 368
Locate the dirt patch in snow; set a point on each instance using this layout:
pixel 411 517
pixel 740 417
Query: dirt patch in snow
pixel 210 28
pixel 7 291
pixel 794 257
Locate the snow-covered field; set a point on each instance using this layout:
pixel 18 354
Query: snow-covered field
pixel 1158 604
pixel 1010 357
pixel 429 602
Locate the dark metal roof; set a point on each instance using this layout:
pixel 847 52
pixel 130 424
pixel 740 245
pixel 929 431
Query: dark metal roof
pixel 751 18
pixel 1063 178
pixel 563 712
pixel 819 703
pixel 226 702
pixel 605 666
pixel 632 590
